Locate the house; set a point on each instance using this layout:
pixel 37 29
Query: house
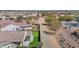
pixel 14 34
pixel 70 25
pixel 4 23
pixel 10 27
pixel 8 38
pixel 15 38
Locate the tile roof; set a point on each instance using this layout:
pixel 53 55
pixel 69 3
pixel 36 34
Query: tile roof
pixel 4 23
pixel 11 36
pixel 23 23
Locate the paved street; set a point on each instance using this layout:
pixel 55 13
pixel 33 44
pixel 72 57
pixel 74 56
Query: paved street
pixel 49 41
pixel 44 38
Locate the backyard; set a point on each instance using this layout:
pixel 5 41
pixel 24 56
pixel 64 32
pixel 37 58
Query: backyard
pixel 36 39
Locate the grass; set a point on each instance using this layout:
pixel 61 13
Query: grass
pixel 35 33
pixel 34 43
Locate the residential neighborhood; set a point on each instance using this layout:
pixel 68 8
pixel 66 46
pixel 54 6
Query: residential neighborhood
pixel 15 33
pixel 59 29
pixel 39 29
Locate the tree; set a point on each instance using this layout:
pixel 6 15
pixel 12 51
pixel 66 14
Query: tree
pixel 19 18
pixel 29 19
pixel 0 18
pixel 49 19
pixel 61 18
pixel 35 18
pixel 66 18
pixel 44 13
pixel 77 18
pixel 53 22
pixel 12 18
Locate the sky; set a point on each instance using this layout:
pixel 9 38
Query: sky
pixel 39 4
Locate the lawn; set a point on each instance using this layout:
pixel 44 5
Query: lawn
pixel 34 43
pixel 36 33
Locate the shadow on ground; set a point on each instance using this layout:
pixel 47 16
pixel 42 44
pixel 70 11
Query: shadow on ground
pixel 49 33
